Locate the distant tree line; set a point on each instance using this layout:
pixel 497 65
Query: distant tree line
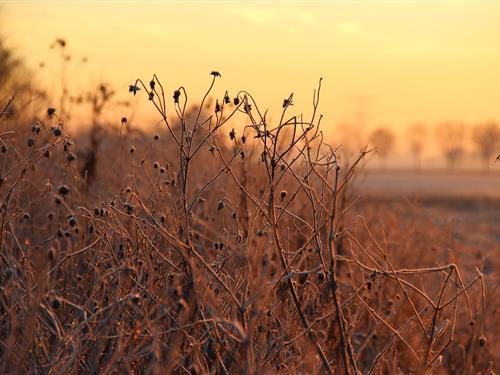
pixel 450 137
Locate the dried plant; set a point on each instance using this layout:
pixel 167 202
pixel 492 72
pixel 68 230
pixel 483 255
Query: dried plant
pixel 213 247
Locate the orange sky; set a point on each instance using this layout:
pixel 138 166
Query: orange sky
pixel 417 61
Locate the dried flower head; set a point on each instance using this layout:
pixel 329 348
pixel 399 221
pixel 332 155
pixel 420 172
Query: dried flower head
pixel 177 94
pixel 220 205
pixel 215 73
pixel 51 111
pixel 482 341
pixel 72 221
pixel 287 102
pixel 63 190
pixel 55 303
pixel 133 89
pixel 57 132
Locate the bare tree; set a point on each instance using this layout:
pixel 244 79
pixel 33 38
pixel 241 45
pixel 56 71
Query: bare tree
pixel 450 137
pixel 384 139
pixel 486 138
pixel 417 135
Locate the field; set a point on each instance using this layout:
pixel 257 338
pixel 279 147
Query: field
pixel 225 244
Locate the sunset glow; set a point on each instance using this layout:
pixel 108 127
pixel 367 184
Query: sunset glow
pixel 428 61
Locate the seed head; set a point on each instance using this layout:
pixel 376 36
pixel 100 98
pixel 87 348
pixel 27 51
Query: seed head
pixel 283 194
pixel 156 165
pixel 63 190
pixel 215 73
pixel 287 103
pixel 135 298
pixel 177 94
pixel 321 276
pixel 133 89
pixel 482 341
pixel 51 254
pixel 31 142
pixel 60 42
pixel 55 303
pixel 51 111
pixel 220 205
pixel 129 207
pixel 232 134
pixel 57 132
pixel 72 221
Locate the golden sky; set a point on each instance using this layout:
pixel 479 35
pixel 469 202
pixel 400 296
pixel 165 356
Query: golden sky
pixel 416 61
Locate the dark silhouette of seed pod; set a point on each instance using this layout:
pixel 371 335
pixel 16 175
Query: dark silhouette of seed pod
pixel 63 190
pixel 482 341
pixel 51 111
pixel 220 205
pixel 55 303
pixel 283 194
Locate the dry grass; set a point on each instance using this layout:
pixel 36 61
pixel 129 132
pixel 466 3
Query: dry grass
pixel 205 249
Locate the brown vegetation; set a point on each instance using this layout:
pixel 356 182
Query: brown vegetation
pixel 221 244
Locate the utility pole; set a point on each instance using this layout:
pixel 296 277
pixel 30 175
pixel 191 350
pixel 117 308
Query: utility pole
pixel 361 112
